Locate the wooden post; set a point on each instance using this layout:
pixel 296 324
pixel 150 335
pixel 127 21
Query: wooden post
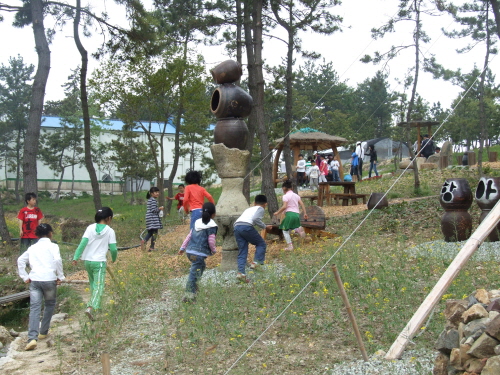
pixel 484 229
pixel 275 164
pixel 106 364
pixel 350 313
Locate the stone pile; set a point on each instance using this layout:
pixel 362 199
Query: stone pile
pixel 470 342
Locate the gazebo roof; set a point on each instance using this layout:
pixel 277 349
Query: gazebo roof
pixel 312 140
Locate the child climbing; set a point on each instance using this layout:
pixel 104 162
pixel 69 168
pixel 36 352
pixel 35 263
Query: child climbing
pixel 198 245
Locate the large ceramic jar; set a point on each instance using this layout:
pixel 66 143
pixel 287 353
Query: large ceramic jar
pixel 228 71
pixel 232 132
pixel 487 196
pixel 229 100
pixel 456 199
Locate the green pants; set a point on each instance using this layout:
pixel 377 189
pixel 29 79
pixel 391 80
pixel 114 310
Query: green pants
pixel 97 280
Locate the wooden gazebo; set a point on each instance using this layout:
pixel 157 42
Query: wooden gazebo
pixel 309 140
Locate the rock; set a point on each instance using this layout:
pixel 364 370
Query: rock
pixel 230 162
pixel 472 328
pixel 50 343
pixel 403 164
pixel 492 366
pixel 1 345
pixel 13 333
pixel 469 341
pixel 483 347
pixel 494 293
pixel 433 159
pixel 472 300
pixel 379 353
pixel 497 349
pixel 377 200
pixel 493 328
pixel 56 318
pixel 428 166
pixel 454 310
pixel 447 340
pixel 477 311
pixel 482 296
pixel 72 229
pixel 464 357
pixel 5 337
pixel 446 148
pixel 441 364
pixel 474 365
pixel 494 305
pixel 455 359
pixel 493 314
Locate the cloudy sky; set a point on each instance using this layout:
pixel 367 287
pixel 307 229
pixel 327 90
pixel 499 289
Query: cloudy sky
pixel 344 49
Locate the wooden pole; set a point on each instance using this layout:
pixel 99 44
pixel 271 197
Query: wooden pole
pixel 349 312
pixel 484 229
pixel 106 364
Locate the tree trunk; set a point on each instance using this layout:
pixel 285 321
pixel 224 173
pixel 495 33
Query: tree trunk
pixel 412 99
pixel 31 141
pixel 18 167
pixel 496 13
pixel 178 117
pixel 58 192
pixel 258 109
pixel 4 231
pixel 482 110
pixel 287 125
pixel 85 109
pixel 247 24
pixel 239 42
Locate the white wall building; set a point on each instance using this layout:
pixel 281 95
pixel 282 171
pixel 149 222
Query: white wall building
pixel 109 182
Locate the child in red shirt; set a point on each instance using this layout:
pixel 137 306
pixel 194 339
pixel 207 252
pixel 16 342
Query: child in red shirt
pixel 194 196
pixel 29 218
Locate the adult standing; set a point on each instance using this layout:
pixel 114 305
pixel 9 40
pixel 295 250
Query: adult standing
pixel 373 161
pixel 354 165
pixel 360 151
pixel 427 148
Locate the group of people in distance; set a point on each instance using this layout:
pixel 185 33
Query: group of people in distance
pixel 46 269
pixel 317 168
pixel 357 157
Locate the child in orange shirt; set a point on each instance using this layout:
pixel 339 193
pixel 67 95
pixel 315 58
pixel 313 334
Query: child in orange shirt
pixel 194 196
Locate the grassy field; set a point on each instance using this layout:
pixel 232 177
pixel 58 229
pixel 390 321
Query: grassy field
pixel 293 299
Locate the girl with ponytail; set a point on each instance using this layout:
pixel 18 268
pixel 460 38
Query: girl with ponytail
pixel 291 203
pixel 199 243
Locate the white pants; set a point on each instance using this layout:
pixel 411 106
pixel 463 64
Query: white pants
pixel 322 178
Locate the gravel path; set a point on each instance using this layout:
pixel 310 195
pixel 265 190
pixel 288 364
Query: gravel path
pixel 488 251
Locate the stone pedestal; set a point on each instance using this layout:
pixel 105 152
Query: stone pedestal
pixel 231 167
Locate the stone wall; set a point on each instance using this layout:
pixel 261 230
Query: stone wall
pixel 470 342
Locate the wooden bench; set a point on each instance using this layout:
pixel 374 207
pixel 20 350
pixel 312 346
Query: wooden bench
pixel 346 197
pixel 315 224
pixel 311 198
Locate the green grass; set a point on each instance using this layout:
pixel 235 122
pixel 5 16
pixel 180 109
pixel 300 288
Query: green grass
pixel 385 286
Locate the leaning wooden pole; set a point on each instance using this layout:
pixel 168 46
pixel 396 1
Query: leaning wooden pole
pixel 350 313
pixel 484 229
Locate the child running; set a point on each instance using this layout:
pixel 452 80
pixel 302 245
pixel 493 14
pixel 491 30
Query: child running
pixel 291 202
pixel 179 197
pixel 194 196
pixel 153 221
pixel 245 233
pixel 29 217
pixel 199 243
pixel 95 242
pixel 46 273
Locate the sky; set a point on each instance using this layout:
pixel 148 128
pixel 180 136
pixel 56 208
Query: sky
pixel 344 48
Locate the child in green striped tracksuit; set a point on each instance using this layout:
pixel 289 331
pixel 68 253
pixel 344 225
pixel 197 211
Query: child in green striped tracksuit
pixel 93 248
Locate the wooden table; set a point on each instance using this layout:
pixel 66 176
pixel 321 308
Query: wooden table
pixel 324 191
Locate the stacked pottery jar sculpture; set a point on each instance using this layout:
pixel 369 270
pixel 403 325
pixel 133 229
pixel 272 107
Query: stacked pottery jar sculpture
pixel 230 104
pixel 456 199
pixel 487 196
